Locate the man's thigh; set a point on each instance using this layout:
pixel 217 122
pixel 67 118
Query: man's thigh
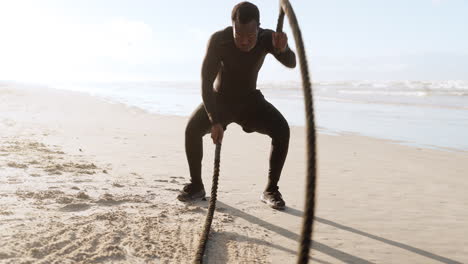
pixel 261 116
pixel 199 123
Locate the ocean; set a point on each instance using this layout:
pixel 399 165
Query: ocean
pixel 430 114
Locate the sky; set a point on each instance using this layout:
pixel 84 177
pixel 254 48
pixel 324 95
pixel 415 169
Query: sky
pixel 136 40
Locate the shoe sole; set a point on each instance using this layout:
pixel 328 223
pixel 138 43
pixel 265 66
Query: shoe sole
pixel 200 196
pixel 274 206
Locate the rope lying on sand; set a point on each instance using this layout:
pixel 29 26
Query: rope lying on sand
pixel 309 210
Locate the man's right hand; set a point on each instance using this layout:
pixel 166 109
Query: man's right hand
pixel 217 133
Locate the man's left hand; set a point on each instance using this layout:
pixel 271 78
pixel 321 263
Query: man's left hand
pixel 280 41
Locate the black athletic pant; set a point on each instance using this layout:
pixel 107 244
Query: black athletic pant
pixel 253 114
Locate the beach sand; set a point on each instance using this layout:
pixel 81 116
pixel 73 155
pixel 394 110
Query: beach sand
pixel 83 180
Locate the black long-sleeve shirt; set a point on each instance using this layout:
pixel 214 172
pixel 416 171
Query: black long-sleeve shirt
pixel 235 71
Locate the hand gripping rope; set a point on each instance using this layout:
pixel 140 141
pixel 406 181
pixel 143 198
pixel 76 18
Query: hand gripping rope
pixel 309 209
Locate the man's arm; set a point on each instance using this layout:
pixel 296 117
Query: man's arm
pixel 287 57
pixel 277 44
pixel 210 69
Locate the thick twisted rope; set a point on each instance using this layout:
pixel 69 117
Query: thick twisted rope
pixel 309 208
pixel 211 208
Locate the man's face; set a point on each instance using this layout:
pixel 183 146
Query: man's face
pixel 245 35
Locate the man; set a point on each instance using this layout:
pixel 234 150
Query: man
pixel 234 57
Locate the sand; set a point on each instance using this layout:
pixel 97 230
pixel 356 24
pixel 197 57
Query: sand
pixel 83 180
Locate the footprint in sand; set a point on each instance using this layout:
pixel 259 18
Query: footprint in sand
pixel 109 200
pixel 76 207
pixel 161 180
pixel 82 195
pixel 192 209
pixel 83 180
pixel 14 180
pixel 64 200
pixel 17 165
pixel 5 213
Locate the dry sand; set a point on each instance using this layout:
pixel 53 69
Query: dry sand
pixel 87 181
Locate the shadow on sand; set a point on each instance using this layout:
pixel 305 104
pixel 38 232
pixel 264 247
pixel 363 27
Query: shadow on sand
pixel 342 256
pixel 298 213
pixel 335 253
pixel 221 239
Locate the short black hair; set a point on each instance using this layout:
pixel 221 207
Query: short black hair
pixel 244 12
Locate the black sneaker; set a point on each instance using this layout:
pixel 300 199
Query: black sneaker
pixel 273 199
pixel 191 192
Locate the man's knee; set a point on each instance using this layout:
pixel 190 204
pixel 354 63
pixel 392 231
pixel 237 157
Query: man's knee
pixel 192 129
pixel 285 131
pixel 196 128
pixel 281 131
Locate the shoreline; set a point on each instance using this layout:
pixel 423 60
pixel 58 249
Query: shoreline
pixel 397 132
pixel 77 171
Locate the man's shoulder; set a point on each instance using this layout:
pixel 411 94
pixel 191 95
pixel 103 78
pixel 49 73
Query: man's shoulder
pixel 264 38
pixel 264 33
pixel 227 31
pixel 222 37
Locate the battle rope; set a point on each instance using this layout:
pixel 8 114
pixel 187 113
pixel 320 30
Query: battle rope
pixel 211 208
pixel 309 208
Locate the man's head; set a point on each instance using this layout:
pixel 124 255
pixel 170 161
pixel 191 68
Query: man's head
pixel 245 22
